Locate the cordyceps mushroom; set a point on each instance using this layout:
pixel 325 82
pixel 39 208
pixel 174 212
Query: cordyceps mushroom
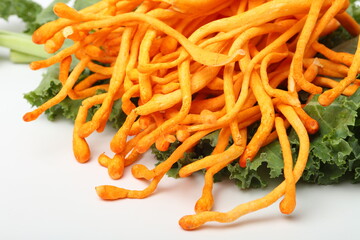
pixel 197 6
pixel 230 64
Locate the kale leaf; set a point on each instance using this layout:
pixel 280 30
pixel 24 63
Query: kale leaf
pixel 27 10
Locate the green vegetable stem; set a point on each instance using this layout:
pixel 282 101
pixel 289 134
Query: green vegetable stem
pixel 22 49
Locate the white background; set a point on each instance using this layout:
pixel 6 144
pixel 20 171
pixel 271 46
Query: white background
pixel 46 194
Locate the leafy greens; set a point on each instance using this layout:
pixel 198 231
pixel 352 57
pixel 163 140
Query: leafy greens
pixel 27 10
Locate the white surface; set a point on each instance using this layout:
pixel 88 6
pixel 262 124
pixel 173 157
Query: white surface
pixel 46 194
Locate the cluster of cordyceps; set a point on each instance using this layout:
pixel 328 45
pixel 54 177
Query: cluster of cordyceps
pixel 184 69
